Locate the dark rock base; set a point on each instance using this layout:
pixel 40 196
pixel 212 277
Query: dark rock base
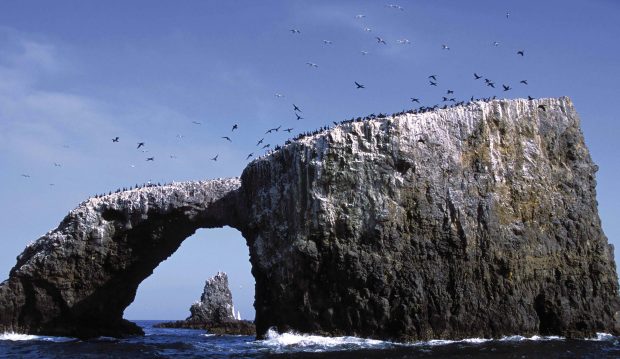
pixel 236 327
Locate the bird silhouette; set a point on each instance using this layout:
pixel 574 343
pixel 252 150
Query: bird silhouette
pixel 227 138
pixel 380 40
pixel 260 141
pixel 523 82
pixel 359 86
pixel 478 77
pixel 495 43
pixel 542 107
pixel 364 52
pixel 150 159
pixel 57 164
pixel 433 83
pixel 25 175
pixel 266 146
pixel 140 144
pixel 196 122
pixel 413 99
pixel 445 47
pixel 215 158
pixel 327 42
pixel 299 117
pixel 450 92
pixel 234 127
pixel 506 87
pixel 295 31
pixel 312 64
pixel 115 139
pixel 530 98
pixel 288 130
pixel 520 52
pixel 295 108
pixel 434 77
pixel 250 155
pixel 491 84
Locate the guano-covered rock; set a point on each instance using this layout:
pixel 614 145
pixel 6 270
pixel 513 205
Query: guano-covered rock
pixel 474 221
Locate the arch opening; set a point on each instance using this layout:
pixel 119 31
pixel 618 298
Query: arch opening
pixel 178 281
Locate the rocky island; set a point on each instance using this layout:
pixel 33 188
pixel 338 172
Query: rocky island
pixel 215 311
pixel 474 221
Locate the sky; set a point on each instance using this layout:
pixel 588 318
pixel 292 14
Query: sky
pixel 177 75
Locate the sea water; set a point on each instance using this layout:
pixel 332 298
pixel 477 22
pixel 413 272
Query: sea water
pixel 188 343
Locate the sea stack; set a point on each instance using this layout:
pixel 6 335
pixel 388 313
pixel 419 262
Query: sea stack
pixel 215 311
pixel 478 220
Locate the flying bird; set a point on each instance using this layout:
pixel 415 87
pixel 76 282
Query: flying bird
pixel 432 83
pixel 150 159
pixel 215 158
pixel 434 77
pixel 276 129
pixel 445 47
pixel 296 108
pixel 266 146
pixel 364 52
pixel 523 82
pixel 507 14
pixel 115 139
pixel 360 16
pixel 359 86
pixel 450 92
pixel 288 130
pixel 295 31
pixel 312 64
pixel 506 87
pixel 381 41
pixel 530 98
pixel 403 41
pixel 227 138
pixel 25 175
pixel 250 155
pixel 491 84
pixel 234 127
pixel 520 52
pixel 495 43
pixel 278 95
pixel 260 141
pixel 57 164
pixel 413 99
pixel 298 117
pixel 327 42
pixel 140 144
pixel 542 107
pixel 478 77
pixel 196 122
pixel 367 29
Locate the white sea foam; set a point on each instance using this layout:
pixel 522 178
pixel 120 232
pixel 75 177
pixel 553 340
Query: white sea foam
pixel 602 337
pixel 316 343
pixel 20 337
pixel 519 338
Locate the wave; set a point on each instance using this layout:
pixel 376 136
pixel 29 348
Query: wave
pixel 292 341
pixel 11 336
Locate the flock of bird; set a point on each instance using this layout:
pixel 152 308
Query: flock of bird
pixel 449 99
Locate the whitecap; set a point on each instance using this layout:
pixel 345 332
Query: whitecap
pixel 519 338
pixel 292 341
pixel 602 337
pixel 11 336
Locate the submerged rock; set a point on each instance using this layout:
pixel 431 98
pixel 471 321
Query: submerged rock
pixel 474 221
pixel 215 311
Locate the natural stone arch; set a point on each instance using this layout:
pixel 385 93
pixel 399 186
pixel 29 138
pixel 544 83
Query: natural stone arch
pixel 78 279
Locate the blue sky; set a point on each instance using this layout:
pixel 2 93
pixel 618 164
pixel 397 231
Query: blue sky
pixel 75 74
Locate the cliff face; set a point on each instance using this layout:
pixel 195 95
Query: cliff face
pixel 479 220
pixel 78 279
pixel 475 221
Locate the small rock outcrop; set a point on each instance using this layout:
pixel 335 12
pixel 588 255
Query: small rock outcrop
pixel 215 311
pixel 474 221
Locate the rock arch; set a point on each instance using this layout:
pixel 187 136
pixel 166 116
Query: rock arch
pixel 488 227
pixel 78 279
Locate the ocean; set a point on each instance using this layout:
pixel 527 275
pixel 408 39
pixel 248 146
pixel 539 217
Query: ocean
pixel 187 343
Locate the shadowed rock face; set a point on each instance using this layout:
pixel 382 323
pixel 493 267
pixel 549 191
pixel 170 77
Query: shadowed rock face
pixel 475 221
pixel 216 304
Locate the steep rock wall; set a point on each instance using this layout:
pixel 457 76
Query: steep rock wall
pixel 474 221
